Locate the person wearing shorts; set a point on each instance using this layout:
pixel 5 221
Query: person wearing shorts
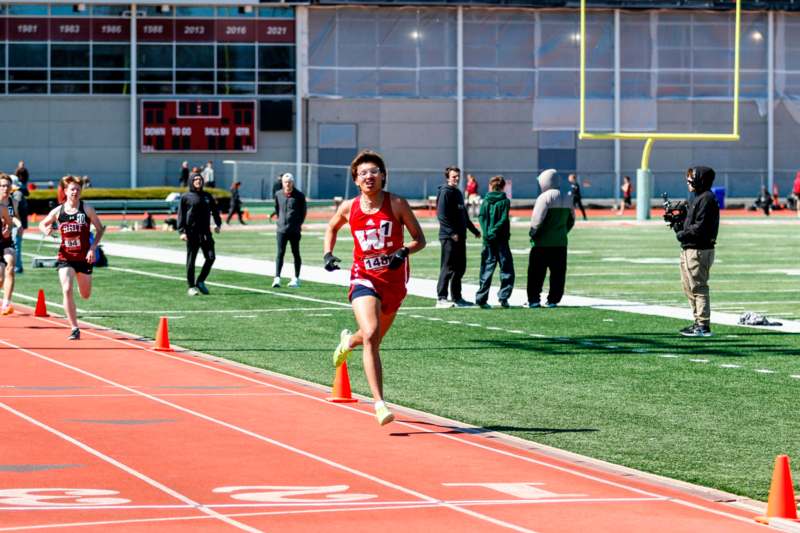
pixel 75 255
pixel 380 265
pixel 7 249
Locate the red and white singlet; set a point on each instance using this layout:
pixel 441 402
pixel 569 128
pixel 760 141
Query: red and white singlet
pixel 375 238
pixel 74 230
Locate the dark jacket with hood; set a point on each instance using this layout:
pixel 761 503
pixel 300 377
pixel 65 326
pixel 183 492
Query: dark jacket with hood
pixel 553 214
pixel 453 217
pixel 702 218
pixel 495 225
pixel 195 212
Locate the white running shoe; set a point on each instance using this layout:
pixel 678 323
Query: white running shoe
pixel 444 304
pixel 384 415
pixel 193 291
pixel 294 283
pixel 276 282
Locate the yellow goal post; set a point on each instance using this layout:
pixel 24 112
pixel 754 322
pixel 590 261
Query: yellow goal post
pixel 651 137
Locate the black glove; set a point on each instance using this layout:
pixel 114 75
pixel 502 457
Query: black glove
pixel 331 262
pixel 531 233
pixel 397 259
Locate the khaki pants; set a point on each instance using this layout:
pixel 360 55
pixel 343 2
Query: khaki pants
pixel 695 268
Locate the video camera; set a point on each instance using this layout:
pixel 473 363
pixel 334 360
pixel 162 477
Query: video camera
pixel 674 212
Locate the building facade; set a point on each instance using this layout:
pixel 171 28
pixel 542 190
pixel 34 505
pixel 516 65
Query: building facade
pixel 125 92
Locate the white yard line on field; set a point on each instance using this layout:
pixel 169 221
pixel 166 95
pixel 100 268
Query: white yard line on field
pixel 416 286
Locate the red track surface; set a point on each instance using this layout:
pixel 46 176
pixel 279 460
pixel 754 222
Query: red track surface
pixel 104 433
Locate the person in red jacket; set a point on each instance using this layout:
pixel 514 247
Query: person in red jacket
pixel 796 192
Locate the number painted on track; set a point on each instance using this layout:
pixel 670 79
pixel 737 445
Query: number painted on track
pixel 290 494
pixel 54 496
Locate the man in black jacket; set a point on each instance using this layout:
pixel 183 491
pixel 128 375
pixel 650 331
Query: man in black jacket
pixel 194 225
pixel 290 208
pixel 453 224
pixel 698 238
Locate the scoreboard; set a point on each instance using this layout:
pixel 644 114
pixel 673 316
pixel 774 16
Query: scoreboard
pixel 198 126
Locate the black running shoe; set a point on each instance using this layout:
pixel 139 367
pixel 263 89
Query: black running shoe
pixel 202 288
pixel 688 329
pixel 698 330
pixel 75 335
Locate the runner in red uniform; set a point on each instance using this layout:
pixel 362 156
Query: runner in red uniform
pixel 75 255
pixel 380 265
pixel 7 249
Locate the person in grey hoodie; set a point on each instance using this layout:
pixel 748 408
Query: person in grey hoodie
pixel 552 218
pixel 496 230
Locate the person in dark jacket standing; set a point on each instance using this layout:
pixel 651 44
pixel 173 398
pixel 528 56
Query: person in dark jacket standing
pixel 183 179
pixel 552 217
pixel 698 239
pixel 496 233
pixel 453 225
pixel 290 208
pixel 575 192
pixel 236 203
pixel 194 225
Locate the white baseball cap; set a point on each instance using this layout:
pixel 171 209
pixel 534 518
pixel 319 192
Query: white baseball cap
pixel 287 176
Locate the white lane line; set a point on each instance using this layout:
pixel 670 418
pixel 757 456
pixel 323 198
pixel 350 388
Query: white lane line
pixel 176 395
pixel 699 360
pixel 764 371
pixel 234 287
pixel 463 441
pixel 274 442
pixel 356 410
pixel 256 316
pixel 729 365
pixel 125 468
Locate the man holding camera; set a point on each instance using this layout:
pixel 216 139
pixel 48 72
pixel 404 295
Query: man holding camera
pixel 698 236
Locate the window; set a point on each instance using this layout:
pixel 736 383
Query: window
pixel 194 11
pixel 27 55
pixel 194 56
pixel 27 9
pixel 110 56
pixel 236 56
pixel 154 56
pixel 69 55
pixel 276 57
pixel 67 10
pixel 109 11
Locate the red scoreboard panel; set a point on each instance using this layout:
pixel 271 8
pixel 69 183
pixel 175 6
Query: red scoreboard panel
pixel 198 126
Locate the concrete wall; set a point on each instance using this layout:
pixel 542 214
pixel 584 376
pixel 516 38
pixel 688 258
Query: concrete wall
pixel 91 136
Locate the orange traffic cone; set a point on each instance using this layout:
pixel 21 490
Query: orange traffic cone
pixel 341 386
pixel 162 337
pixel 246 215
pixel 781 493
pixel 41 306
